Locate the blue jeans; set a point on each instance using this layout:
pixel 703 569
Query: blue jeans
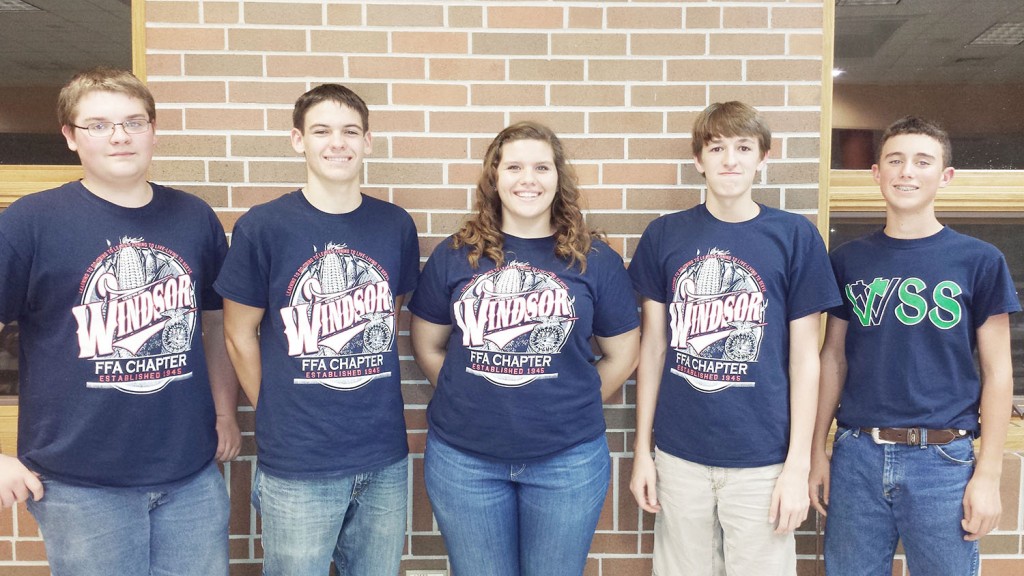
pixel 175 529
pixel 881 493
pixel 358 521
pixel 533 519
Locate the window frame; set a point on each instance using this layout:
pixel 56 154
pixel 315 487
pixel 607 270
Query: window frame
pixel 19 180
pixel 981 191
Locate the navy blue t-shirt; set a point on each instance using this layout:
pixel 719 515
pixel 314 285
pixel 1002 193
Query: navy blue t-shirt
pixel 114 386
pixel 913 308
pixel 330 399
pixel 518 382
pixel 731 290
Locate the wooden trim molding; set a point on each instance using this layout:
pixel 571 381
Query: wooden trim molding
pixel 984 191
pixel 9 429
pixel 17 181
pixel 825 145
pixel 139 39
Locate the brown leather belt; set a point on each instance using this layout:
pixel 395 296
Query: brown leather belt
pixel 914 436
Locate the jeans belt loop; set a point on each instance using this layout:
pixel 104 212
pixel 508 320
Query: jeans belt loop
pixel 924 438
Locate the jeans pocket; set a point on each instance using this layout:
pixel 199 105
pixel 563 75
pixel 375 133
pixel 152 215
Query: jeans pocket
pixel 959 452
pixel 842 433
pixel 254 496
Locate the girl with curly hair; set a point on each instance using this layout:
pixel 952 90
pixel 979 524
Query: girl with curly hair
pixel 517 465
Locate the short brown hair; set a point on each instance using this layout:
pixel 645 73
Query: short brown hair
pixel 730 119
pixel 102 79
pixel 329 93
pixel 924 127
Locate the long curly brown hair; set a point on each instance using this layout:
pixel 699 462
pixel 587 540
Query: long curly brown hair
pixel 482 232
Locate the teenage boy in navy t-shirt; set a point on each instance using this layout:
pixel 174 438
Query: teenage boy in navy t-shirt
pixel 313 285
pixel 110 279
pixel 732 294
pixel 898 364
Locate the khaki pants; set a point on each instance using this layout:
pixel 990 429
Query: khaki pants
pixel 714 522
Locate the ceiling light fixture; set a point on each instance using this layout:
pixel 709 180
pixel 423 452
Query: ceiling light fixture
pixel 1005 34
pixel 16 6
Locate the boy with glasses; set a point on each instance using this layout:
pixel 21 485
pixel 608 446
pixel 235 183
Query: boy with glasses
pixel 898 363
pixel 312 286
pixel 127 395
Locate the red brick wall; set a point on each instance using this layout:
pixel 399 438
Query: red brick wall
pixel 620 81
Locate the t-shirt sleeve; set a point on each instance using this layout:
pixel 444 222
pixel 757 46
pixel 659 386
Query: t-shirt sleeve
pixel 839 311
pixel 615 309
pixel 812 284
pixel 214 261
pixel 431 298
pixel 14 287
pixel 646 275
pixel 410 258
pixel 244 276
pixel 996 293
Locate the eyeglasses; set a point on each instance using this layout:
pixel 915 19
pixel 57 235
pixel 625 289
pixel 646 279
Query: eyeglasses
pixel 105 129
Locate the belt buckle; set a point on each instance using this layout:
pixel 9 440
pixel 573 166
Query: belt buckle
pixel 877 438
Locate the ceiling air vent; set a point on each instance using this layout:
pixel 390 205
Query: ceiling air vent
pixel 1005 34
pixel 15 6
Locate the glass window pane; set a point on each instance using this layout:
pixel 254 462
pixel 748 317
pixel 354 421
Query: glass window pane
pixel 932 59
pixel 857 149
pixel 43 45
pixel 9 360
